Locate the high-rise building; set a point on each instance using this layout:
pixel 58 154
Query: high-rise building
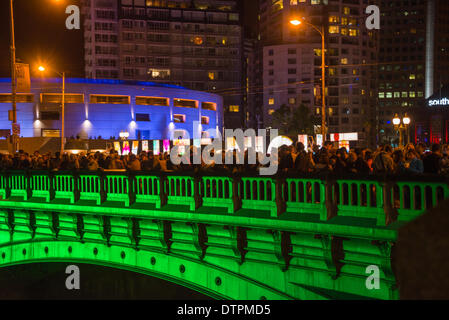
pixel 194 44
pixel 413 66
pixel 292 62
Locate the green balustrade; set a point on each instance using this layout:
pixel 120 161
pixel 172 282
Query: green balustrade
pixel 18 185
pixel 117 188
pixel 89 186
pixel 64 186
pixel 304 195
pixel 181 190
pixel 219 192
pixel 259 194
pixel 147 189
pixel 40 185
pixel 412 199
pixel 358 198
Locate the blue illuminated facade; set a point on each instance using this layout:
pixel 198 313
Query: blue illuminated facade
pixel 104 108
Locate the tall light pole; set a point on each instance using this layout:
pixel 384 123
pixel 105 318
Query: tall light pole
pixel 15 140
pixel 42 69
pixel 297 22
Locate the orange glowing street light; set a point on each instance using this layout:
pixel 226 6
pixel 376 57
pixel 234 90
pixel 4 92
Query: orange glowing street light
pixel 295 22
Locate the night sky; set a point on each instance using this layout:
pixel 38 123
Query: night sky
pixel 42 38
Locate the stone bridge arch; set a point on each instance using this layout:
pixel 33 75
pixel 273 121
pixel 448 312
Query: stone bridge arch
pixel 205 278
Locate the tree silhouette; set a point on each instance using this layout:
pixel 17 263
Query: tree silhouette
pixel 291 121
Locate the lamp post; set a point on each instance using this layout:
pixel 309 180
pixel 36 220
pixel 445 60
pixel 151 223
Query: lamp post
pixel 124 135
pixel 42 69
pixel 402 125
pixel 15 138
pixel 297 22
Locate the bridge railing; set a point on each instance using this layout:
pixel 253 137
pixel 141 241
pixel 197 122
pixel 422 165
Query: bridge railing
pixel 384 199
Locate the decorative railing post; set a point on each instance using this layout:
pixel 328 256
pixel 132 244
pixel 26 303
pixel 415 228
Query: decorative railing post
pixel 131 191
pixel 330 199
pixel 389 210
pixel 236 198
pixel 196 192
pixel 278 197
pixel 103 193
pixel 162 193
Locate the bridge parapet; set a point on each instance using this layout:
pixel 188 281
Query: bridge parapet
pixel 284 236
pixel 384 199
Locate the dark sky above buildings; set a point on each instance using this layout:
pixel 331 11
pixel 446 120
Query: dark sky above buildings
pixel 42 38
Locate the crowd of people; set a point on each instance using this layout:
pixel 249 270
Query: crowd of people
pixel 410 159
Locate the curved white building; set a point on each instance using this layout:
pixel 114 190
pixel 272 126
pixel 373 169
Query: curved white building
pixel 104 108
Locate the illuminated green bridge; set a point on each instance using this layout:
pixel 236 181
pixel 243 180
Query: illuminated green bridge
pixel 227 237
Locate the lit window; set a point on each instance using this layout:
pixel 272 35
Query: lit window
pixel 182 103
pixel 234 108
pixel 211 75
pixel 179 118
pixel 292 100
pixel 381 95
pixel 159 73
pixel 270 111
pixel 197 40
pixel 412 94
pixel 334 29
pixel 412 77
pixel 208 106
pixel 353 32
pixel 346 10
pixel 152 101
pixel 271 101
pixel 404 94
pixel 204 120
pixel 333 19
pixel 344 61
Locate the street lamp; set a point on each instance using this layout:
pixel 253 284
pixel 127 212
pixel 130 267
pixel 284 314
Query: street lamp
pixel 42 69
pixel 124 135
pixel 297 22
pixel 402 125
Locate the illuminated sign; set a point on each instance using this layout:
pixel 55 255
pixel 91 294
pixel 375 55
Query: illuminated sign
pixel 156 147
pixel 181 143
pixel 439 102
pixel 352 136
pixel 319 139
pixel 166 146
pixel 125 149
pixel 117 147
pixel 135 147
pixel 304 140
pixel 145 145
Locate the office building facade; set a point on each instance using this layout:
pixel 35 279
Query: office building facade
pixel 292 63
pixel 413 66
pixel 197 45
